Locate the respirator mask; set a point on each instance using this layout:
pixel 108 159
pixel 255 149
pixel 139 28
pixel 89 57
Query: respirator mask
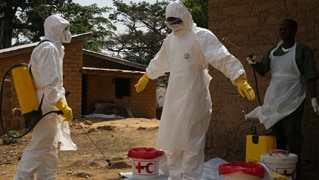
pixel 66 35
pixel 175 24
pixel 175 27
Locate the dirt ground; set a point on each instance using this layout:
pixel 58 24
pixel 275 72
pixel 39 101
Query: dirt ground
pixel 98 140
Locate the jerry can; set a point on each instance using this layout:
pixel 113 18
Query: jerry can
pixel 257 145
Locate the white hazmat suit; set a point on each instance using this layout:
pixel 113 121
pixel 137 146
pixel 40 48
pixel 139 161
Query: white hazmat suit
pixel 40 157
pixel 186 53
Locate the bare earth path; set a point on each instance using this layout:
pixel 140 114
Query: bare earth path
pixel 113 139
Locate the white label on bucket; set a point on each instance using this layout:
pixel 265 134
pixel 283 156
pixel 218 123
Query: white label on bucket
pixel 145 167
pixel 288 172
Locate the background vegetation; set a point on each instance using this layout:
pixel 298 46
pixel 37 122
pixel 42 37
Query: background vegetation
pixel 22 23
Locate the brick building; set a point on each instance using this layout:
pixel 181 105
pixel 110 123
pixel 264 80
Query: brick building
pixel 253 27
pixel 113 81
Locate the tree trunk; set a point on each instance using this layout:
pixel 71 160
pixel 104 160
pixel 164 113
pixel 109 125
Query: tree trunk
pixel 7 28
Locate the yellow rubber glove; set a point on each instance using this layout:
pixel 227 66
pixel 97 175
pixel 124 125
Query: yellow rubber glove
pixel 67 111
pixel 244 89
pixel 141 84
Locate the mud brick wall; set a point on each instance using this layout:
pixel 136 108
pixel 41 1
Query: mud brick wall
pixel 102 89
pixel 72 80
pixel 253 27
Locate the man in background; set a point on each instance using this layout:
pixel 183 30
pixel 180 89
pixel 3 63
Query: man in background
pixel 289 63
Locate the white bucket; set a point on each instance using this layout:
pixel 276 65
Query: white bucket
pixel 145 168
pixel 240 176
pixel 281 164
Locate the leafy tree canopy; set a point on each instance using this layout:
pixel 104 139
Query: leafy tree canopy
pixel 23 21
pixel 144 30
pixel 199 11
pixel 139 42
pixel 20 17
pixel 89 19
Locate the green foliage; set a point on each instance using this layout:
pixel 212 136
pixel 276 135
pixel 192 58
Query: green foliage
pixel 90 18
pixel 25 19
pixel 9 139
pixel 199 11
pixel 144 33
pixel 141 40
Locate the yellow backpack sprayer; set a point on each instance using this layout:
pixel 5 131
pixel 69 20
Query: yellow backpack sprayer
pixel 27 98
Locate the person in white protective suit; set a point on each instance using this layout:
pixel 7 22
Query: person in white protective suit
pixel 290 63
pixel 40 157
pixel 185 54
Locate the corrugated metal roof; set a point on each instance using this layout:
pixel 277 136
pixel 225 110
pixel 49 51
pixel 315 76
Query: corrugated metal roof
pixel 105 71
pixel 114 59
pixel 21 49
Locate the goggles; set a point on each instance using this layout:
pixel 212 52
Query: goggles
pixel 172 20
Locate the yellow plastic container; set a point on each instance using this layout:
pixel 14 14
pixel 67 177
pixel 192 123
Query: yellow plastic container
pixel 257 145
pixel 25 89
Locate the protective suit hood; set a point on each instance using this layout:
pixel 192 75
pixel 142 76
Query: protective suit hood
pixel 178 10
pixel 54 27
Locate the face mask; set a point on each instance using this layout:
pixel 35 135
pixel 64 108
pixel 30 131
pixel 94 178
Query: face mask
pixel 66 36
pixel 175 27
